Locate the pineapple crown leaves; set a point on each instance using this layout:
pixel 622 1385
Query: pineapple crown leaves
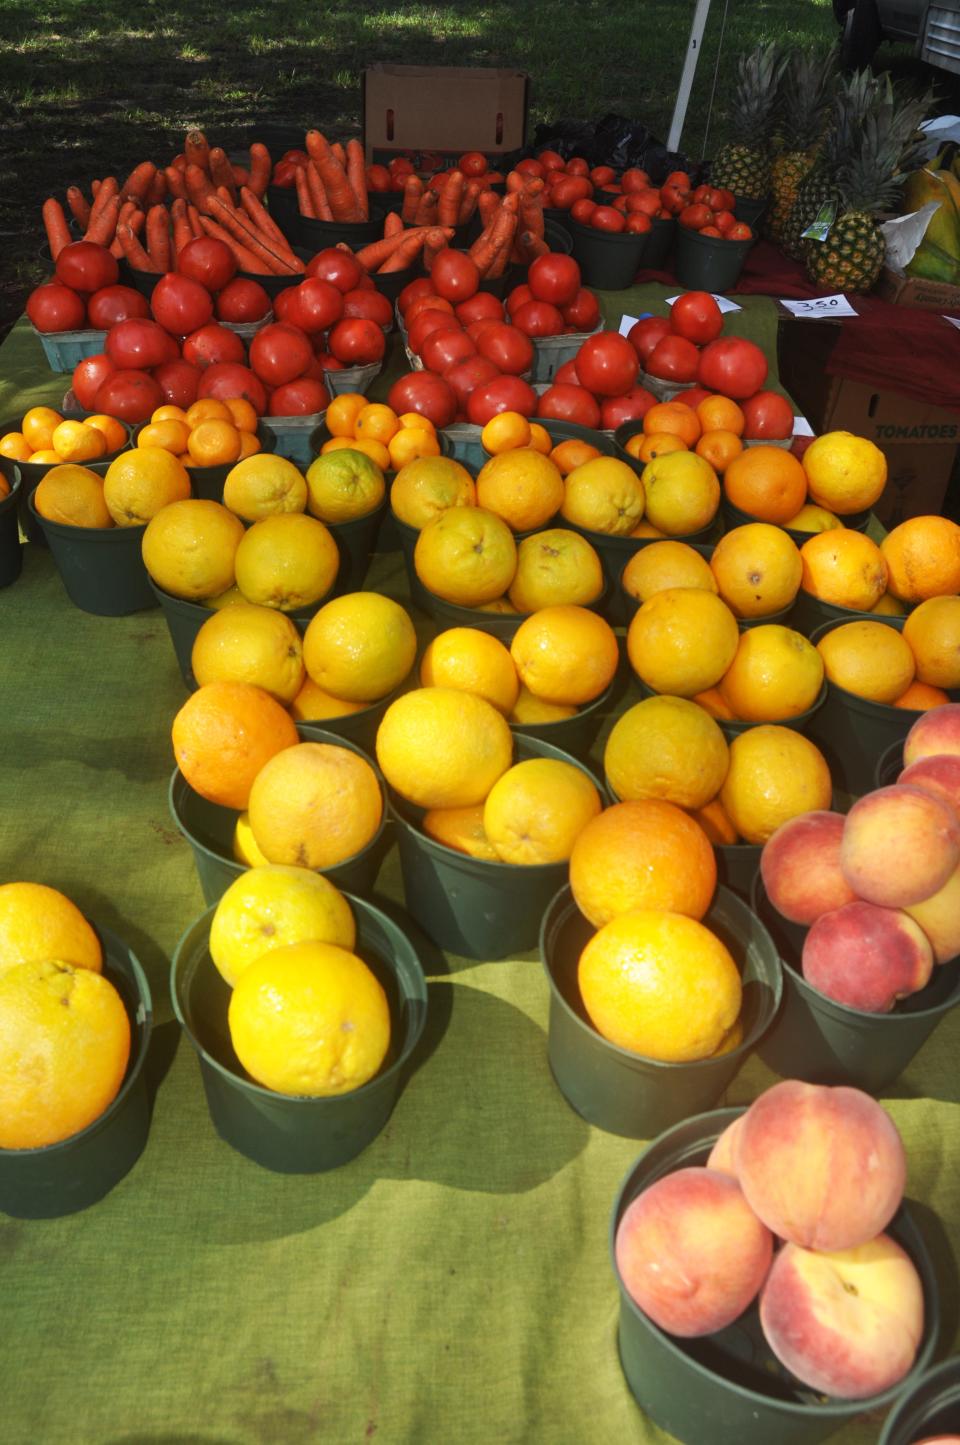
pixel 759 76
pixel 875 168
pixel 805 94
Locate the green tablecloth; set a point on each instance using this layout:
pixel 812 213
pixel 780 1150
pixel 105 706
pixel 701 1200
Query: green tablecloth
pixel 453 1283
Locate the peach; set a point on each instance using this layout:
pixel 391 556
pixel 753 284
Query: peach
pixel 939 917
pixel 867 957
pixel 800 867
pixel 723 1155
pixel 899 846
pixel 691 1253
pixel 847 1322
pixel 824 1168
pixel 939 774
pixel 936 731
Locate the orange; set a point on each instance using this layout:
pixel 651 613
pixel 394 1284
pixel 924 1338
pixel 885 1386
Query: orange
pixel 214 443
pixel 812 518
pixel 767 483
pixel 757 568
pixel 141 482
pixel 522 486
pixel 719 448
pixel 673 418
pixel 844 568
pixel 168 412
pixel 286 560
pixel 13 444
pixel 39 923
pixel 933 633
pixel 170 434
pixel 565 654
pixel 245 643
pixel 466 555
pixel 643 854
pixel 359 647
pixel 412 419
pixel 660 985
pixel 208 409
pixel 443 748
pixel 48 458
pixel 271 906
pixel 920 696
pixel 845 473
pixel 189 548
pixel 376 451
pixel 529 708
pixel 682 493
pixel 249 445
pixel 4 487
pixel 313 703
pixel 664 565
pixel 310 1019
pixel 669 748
pixel 64 1047
pixel 776 674
pixel 604 495
pixel 536 811
pixel 343 486
pixel 73 496
pixel 923 558
pixel 555 566
pixel 75 441
pixel 647 448
pixel 870 659
pixel 775 774
pixel 460 829
pixel 223 735
pixel 243 413
pixel 409 443
pixel 572 453
pixel 720 413
pixel 341 415
pixel 644 529
pixel 715 823
pixel 259 486
pixel 504 432
pixel 314 805
pixel 540 439
pixel 465 657
pixel 889 606
pixel 426 487
pixel 713 702
pixel 682 641
pixel 335 444
pixel 38 427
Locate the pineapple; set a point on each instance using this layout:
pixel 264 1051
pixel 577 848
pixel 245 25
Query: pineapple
pixel 743 166
pixel 868 182
pixel 806 93
pixel 852 100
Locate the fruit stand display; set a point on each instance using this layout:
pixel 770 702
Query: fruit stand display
pixel 432 1245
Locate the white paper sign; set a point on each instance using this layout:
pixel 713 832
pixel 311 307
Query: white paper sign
pixel 723 303
pixel 627 324
pixel 820 307
pixel 801 427
pixel 954 321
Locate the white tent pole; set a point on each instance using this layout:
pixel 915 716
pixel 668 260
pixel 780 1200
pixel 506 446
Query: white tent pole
pixel 689 70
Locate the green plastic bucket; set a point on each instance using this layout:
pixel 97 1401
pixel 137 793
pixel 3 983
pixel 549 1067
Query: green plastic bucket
pixel 296 1134
pixel 575 735
pixel 469 906
pixel 608 260
pixel 810 612
pixel 750 209
pixel 728 1388
pixel 101 568
pixel 313 236
pixel 11 552
pixel 209 827
pixel 63 1178
pixel 462 441
pixel 929 1409
pixel 660 242
pixel 736 517
pixel 623 1092
pixel 356 543
pixel 889 766
pixel 708 263
pixel 824 1042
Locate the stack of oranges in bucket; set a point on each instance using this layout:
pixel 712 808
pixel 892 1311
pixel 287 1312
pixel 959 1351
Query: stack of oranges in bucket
pixel 46 437
pixel 208 433
pixel 389 439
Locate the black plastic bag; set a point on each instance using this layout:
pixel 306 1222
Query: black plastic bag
pixel 615 141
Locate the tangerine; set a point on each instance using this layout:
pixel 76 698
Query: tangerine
pixel 223 735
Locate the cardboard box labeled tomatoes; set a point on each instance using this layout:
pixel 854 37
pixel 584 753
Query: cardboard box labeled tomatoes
pixel 901 290
pixel 444 109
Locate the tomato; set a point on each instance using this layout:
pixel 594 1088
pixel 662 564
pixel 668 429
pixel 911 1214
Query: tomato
pixel 369 305
pixel 314 371
pixel 644 334
pixel 693 396
pixel 503 393
pixel 181 305
pixel 799 446
pixel 607 218
pixel 445 348
pixel 582 211
pixel 357 342
pixel 570 188
pixel 696 316
pixel 673 359
pixel 607 364
pixel 473 163
pixel 577 166
pixel 678 178
pixel 477 328
pixel 426 393
pixel 282 300
pixel 530 167
pixel 115 303
pixel 209 261
pixel 340 268
pixel 53 307
pixel 284 175
pixel 740 232
pixel 646 202
pixel 634 180
pixel 241 300
pixel 179 381
pixel 422 325
pixel 454 275
pixel 85 266
pixel 551 160
pixel 379 178
pixel 464 376
pixel 563 402
pixel 567 373
pixel 313 306
pixel 518 297
pixel 603 175
pixel 413 290
pixel 211 344
pixel 431 302
pixel 711 231
pixel 87 376
pixel 700 194
pixel 539 318
pixel 280 352
pixel 327 363
pixel 724 200
pixel 554 277
pixel 724 221
pixel 229 378
pixel 634 404
pixel 769 416
pixel 506 347
pixel 620 204
pixel 695 217
pixel 297 156
pixel 128 394
pixel 302 397
pixel 673 199
pixel 139 344
pixel 366 283
pixel 482 307
pixel 639 224
pixel 733 366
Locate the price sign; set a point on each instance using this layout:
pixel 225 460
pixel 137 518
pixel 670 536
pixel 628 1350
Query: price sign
pixel 820 307
pixel 723 303
pixel 801 427
pixel 954 321
pixel 627 323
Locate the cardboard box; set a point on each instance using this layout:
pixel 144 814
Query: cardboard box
pixel 445 109
pixel 901 290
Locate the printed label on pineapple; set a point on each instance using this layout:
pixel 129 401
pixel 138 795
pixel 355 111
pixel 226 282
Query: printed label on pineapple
pixel 723 304
pixel 819 229
pixel 819 307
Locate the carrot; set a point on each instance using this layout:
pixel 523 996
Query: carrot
pixel 515 182
pixel 103 224
pixel 194 217
pixel 158 189
pixel 182 231
pixel 56 226
pixel 357 176
pixel 245 259
pixel 411 244
pixel 448 207
pixel 263 220
pixel 488 204
pixel 128 215
pixel 412 191
pixel 504 248
pixel 79 206
pixel 221 171
pixel 138 182
pixel 240 225
pixel 498 235
pixel 392 224
pixel 198 186
pixel 532 246
pixel 468 205
pixel 134 252
pixel 372 257
pixel 175 183
pixel 197 149
pixel 317 193
pixel 427 209
pixel 343 202
pixel 304 200
pixel 339 154
pixel 241 176
pixel 531 211
pixel 158 237
pixel 94 189
pixel 106 190
pixel 434 243
pixel 179 162
pixel 260 168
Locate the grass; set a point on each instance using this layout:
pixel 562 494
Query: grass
pixel 90 91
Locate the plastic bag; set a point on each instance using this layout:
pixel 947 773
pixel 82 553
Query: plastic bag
pixel 615 141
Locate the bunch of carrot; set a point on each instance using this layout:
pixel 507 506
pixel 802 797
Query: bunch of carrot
pixel 513 226
pixel 332 185
pixel 449 199
pixel 401 247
